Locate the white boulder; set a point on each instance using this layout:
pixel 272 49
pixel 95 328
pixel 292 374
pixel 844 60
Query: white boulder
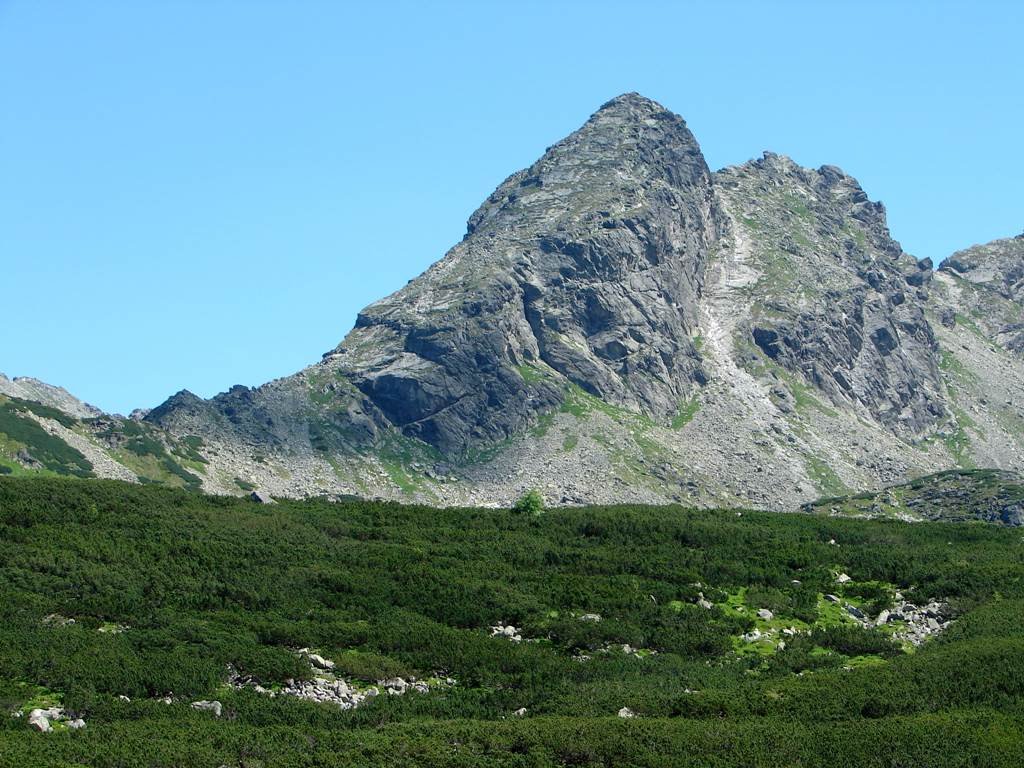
pixel 208 706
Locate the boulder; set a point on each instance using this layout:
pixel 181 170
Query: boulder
pixel 208 706
pixel 320 662
pixel 40 720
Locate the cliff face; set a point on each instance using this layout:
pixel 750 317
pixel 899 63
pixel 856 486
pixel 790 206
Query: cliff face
pixel 834 299
pixel 621 324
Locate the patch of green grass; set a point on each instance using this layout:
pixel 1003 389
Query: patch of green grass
pixel 802 240
pixel 244 485
pixel 857 234
pixel 188 449
pixel 23 697
pixel 797 205
pixel 579 403
pixel 949 363
pixel 531 374
pixel 958 442
pixel 824 477
pixel 687 410
pixel 570 442
pixel 544 422
pixel 399 456
pixel 972 326
pixel 804 397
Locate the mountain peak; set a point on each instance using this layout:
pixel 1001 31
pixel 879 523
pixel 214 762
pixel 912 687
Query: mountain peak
pixel 632 102
pixel 608 164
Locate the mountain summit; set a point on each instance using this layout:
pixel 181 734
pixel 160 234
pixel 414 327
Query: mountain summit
pixel 621 323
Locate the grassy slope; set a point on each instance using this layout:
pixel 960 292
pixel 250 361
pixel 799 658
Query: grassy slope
pixel 141 449
pixel 956 495
pixel 204 581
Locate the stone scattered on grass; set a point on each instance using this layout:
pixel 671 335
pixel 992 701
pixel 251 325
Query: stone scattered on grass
pixel 45 720
pixel 507 631
pixel 326 688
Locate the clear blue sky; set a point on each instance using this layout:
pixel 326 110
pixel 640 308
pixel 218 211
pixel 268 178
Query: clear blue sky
pixel 199 194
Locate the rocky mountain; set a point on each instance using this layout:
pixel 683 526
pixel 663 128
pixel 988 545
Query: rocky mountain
pixel 620 323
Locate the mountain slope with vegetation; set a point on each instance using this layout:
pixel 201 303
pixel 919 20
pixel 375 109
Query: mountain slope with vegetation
pixel 953 496
pixel 622 324
pixel 639 636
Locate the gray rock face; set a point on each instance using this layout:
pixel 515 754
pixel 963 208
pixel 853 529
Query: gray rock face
pixel 583 268
pixel 838 302
pixel 991 278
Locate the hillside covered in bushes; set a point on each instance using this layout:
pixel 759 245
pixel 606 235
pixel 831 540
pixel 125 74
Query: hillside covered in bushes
pixel 378 634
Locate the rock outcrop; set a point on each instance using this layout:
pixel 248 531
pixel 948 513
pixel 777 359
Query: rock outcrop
pixel 990 279
pixel 836 301
pixel 27 388
pixel 984 495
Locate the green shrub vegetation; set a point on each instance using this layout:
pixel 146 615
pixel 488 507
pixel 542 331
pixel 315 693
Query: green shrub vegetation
pixel 530 503
pixel 145 453
pixel 21 430
pixel 203 582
